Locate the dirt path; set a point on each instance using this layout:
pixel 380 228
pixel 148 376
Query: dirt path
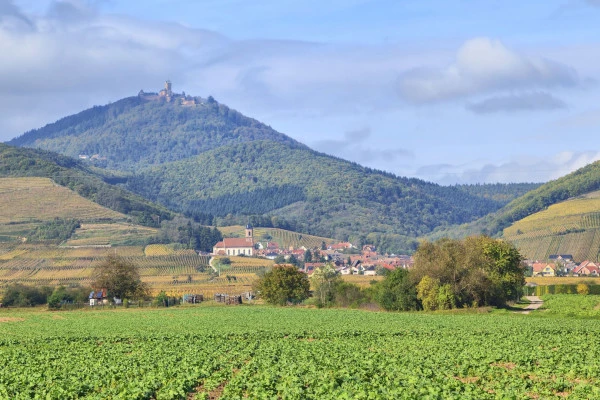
pixel 535 303
pixel 211 265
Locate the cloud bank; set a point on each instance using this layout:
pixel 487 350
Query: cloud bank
pixel 484 66
pixel 535 101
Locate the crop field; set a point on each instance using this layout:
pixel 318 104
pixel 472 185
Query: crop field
pixel 22 198
pixel 361 280
pixel 119 233
pixel 37 264
pixel 259 352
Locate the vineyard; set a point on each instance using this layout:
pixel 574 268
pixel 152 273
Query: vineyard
pixel 285 239
pixel 257 352
pixel 53 265
pixel 570 227
pixel 22 198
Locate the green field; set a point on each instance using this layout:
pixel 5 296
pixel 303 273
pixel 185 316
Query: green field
pixel 569 227
pixel 260 352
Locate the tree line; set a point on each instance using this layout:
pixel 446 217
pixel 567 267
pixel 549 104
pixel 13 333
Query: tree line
pixel 476 271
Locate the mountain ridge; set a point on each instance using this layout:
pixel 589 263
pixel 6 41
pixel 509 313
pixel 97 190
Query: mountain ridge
pixel 196 155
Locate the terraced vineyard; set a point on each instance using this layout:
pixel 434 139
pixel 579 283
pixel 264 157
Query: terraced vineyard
pixel 257 352
pixel 570 227
pixel 282 237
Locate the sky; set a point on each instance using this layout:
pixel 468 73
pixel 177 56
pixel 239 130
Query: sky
pixel 449 91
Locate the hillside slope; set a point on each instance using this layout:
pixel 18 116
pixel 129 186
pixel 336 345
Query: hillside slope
pixel 204 158
pixel 90 184
pixel 321 195
pixel 133 133
pixel 568 227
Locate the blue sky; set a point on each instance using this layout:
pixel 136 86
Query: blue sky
pixel 448 91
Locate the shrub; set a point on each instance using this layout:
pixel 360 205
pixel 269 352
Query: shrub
pixel 583 289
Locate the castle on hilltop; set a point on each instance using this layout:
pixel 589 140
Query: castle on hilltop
pixel 168 95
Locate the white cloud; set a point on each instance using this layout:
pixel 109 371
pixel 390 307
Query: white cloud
pixel 533 101
pixel 518 169
pixel 484 66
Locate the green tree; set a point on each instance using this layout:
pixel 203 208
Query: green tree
pixel 396 292
pixel 307 256
pixel 324 281
pixel 284 284
pixel 119 277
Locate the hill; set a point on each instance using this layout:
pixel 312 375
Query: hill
pixel 134 132
pixel 312 192
pixel 199 157
pixel 84 180
pixel 568 227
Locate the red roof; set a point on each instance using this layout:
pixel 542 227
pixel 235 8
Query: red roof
pixel 235 242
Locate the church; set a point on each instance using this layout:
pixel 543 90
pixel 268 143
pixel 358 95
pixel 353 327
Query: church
pixel 236 246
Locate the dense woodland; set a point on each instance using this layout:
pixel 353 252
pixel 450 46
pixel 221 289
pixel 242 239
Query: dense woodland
pixel 133 133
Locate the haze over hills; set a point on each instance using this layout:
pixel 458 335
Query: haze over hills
pixel 195 155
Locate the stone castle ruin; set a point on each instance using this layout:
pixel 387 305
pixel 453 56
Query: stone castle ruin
pixel 169 96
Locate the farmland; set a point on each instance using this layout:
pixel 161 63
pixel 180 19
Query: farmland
pixel 569 227
pixel 177 272
pixel 231 352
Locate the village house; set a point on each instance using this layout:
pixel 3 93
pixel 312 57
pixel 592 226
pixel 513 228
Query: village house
pixel 587 268
pixel 236 246
pixel 543 269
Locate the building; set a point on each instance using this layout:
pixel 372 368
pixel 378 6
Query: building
pixel 236 246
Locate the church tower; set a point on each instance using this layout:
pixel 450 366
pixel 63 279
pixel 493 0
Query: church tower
pixel 249 231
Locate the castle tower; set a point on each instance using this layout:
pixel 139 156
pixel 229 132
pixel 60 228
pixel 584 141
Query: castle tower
pixel 249 231
pixel 168 88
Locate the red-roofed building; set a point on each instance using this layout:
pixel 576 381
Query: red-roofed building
pixel 236 246
pixel 587 268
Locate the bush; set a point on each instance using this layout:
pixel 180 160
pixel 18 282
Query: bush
pixel 396 292
pixel 25 296
pixel 583 289
pixel 349 295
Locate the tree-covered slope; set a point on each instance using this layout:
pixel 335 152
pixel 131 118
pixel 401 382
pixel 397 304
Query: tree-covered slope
pixel 321 194
pixel 65 171
pixel 133 133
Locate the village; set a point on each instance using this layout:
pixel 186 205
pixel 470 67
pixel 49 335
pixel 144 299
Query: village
pixel 347 258
pixel 562 265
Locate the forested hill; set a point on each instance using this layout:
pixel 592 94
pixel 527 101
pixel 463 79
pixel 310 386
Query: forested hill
pixel 133 133
pixel 318 194
pixel 65 171
pixel 198 156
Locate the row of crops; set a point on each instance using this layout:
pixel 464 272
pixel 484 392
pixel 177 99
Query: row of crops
pixel 290 353
pixel 582 245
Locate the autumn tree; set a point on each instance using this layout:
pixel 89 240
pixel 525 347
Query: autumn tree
pixel 478 270
pixel 119 277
